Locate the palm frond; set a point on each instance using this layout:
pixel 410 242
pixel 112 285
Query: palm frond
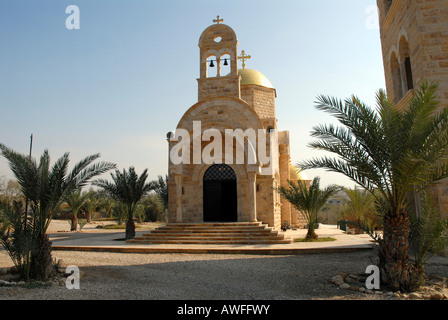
pixel 308 200
pixel 429 232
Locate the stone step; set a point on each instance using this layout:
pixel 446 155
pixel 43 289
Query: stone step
pixel 209 241
pixel 215 224
pixel 215 227
pixel 183 237
pixel 216 231
pixel 212 233
pixel 236 225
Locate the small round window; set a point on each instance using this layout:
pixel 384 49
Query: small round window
pixel 218 39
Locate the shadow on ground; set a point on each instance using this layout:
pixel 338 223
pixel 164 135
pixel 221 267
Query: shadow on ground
pixel 205 277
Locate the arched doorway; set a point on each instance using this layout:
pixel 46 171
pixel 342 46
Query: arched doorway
pixel 219 190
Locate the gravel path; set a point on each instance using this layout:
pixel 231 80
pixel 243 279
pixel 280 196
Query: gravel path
pixel 201 276
pixel 126 276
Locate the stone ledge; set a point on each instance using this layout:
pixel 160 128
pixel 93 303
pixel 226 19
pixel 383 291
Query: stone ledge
pixel 214 250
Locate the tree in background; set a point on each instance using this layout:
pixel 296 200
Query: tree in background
pixel 92 204
pixel 155 210
pixel 107 203
pixel 76 201
pixel 9 190
pixel 161 189
pixel 308 200
pixel 119 211
pixel 140 212
pixel 360 209
pixel 128 188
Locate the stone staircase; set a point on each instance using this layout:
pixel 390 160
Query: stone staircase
pixel 213 233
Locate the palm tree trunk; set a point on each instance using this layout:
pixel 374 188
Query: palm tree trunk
pixel 88 217
pixel 396 269
pixel 74 226
pixel 130 225
pixel 358 228
pixel 41 261
pixel 311 234
pixel 130 229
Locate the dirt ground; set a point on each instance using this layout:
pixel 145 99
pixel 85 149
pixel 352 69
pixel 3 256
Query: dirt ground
pixel 128 276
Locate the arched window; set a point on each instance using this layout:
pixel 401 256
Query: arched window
pixel 387 5
pixel 396 78
pixel 225 65
pixel 406 67
pixel 212 69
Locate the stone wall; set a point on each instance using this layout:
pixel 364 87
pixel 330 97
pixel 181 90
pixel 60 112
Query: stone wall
pixel 218 86
pixel 222 113
pixel 261 99
pixel 418 29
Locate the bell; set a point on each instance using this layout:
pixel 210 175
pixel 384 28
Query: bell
pixel 225 62
pixel 211 64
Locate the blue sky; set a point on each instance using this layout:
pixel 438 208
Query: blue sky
pixel 124 79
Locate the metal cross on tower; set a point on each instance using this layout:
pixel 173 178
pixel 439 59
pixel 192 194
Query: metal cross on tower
pixel 244 57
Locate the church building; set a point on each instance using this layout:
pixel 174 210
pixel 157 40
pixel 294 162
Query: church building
pixel 237 104
pixel 414 39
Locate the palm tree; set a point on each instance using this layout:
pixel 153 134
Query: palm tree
pixel 76 201
pixel 106 202
pixel 161 189
pixel 359 208
pixel 128 188
pixel 119 211
pixel 140 212
pixel 92 203
pixel 398 152
pixel 308 200
pixel 17 236
pixel 45 188
pixel 154 208
pixel 429 231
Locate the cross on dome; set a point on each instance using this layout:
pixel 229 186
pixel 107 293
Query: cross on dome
pixel 244 57
pixel 217 20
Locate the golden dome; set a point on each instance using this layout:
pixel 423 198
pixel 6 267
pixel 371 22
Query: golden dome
pixel 294 173
pixel 250 76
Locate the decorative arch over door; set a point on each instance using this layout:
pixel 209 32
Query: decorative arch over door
pixel 220 195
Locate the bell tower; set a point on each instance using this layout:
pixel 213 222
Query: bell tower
pixel 218 46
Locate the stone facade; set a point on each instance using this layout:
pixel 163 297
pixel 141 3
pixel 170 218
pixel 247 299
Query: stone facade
pixel 261 99
pixel 237 102
pixel 414 38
